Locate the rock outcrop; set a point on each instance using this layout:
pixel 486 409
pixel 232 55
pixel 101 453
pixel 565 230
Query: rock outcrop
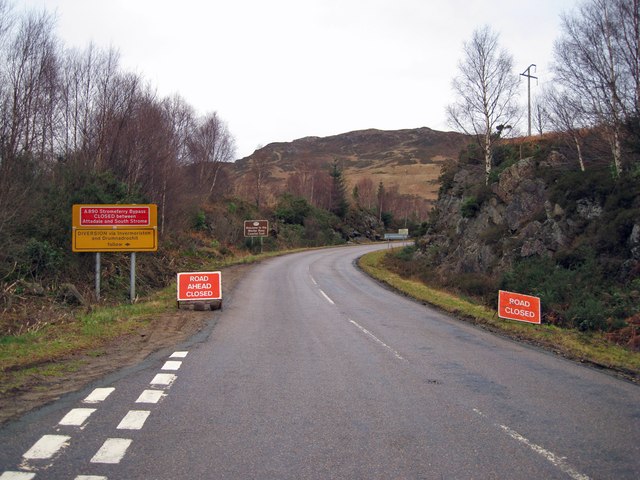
pixel 513 218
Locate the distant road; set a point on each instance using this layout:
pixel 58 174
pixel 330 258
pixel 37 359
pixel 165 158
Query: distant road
pixel 314 371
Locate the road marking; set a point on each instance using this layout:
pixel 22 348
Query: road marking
pixel 77 417
pixel 327 297
pixel 90 477
pixel 377 340
pixel 313 280
pixel 550 456
pixel 112 450
pixel 47 447
pixel 171 365
pixel 98 395
pixel 178 354
pixel 133 420
pixel 165 379
pixel 17 476
pixel 554 459
pixel 150 396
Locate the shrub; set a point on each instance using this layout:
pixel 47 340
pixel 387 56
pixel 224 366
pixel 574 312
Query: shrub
pixel 470 207
pixel 199 221
pixel 292 210
pixel 587 313
pixel 42 257
pixel 406 253
pixel 474 284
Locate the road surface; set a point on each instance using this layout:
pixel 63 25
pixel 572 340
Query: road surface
pixel 314 371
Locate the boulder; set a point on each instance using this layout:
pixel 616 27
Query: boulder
pixel 588 209
pixel 512 177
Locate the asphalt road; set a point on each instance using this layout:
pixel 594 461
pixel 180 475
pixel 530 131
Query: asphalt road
pixel 314 371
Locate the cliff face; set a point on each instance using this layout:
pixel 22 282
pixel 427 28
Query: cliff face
pixel 531 211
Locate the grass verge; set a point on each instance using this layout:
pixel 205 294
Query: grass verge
pixel 52 351
pixel 584 347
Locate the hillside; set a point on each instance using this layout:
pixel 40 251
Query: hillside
pixel 544 228
pixel 408 159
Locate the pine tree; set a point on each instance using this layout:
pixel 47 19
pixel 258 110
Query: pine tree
pixel 339 203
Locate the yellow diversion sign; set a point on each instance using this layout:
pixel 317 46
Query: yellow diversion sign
pixel 115 228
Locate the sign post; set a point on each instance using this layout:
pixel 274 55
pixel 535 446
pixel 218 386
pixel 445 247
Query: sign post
pixel 256 228
pixel 519 307
pixel 115 228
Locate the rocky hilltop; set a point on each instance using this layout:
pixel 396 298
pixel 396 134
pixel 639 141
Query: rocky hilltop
pixel 410 159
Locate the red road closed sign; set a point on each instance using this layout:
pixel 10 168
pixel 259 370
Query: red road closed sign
pixel 199 286
pixel 515 306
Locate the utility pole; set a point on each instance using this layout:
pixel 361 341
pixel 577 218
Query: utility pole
pixel 527 73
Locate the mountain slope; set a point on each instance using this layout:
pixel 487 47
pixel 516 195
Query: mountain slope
pixel 410 159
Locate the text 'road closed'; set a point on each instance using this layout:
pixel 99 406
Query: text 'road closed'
pixel 516 306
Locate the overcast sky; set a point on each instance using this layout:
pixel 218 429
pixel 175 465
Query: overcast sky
pixel 277 70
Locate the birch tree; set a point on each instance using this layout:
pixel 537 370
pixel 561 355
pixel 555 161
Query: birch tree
pixel 596 58
pixel 487 90
pixel 210 145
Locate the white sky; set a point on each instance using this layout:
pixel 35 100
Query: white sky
pixel 277 70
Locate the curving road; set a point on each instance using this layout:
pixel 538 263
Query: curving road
pixel 314 371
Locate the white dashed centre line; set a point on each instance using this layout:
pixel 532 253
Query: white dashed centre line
pixel 554 459
pixel 327 298
pixel 77 417
pixel 17 476
pixel 112 450
pixel 377 340
pixel 99 395
pixel 551 457
pixel 90 477
pixel 171 365
pixel 150 396
pixel 165 379
pixel 178 354
pixel 133 420
pixel 47 447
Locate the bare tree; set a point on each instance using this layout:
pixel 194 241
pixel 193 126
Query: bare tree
pixel 597 59
pixel 366 193
pixel 210 145
pixel 28 74
pixel 540 116
pixel 487 89
pixel 566 114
